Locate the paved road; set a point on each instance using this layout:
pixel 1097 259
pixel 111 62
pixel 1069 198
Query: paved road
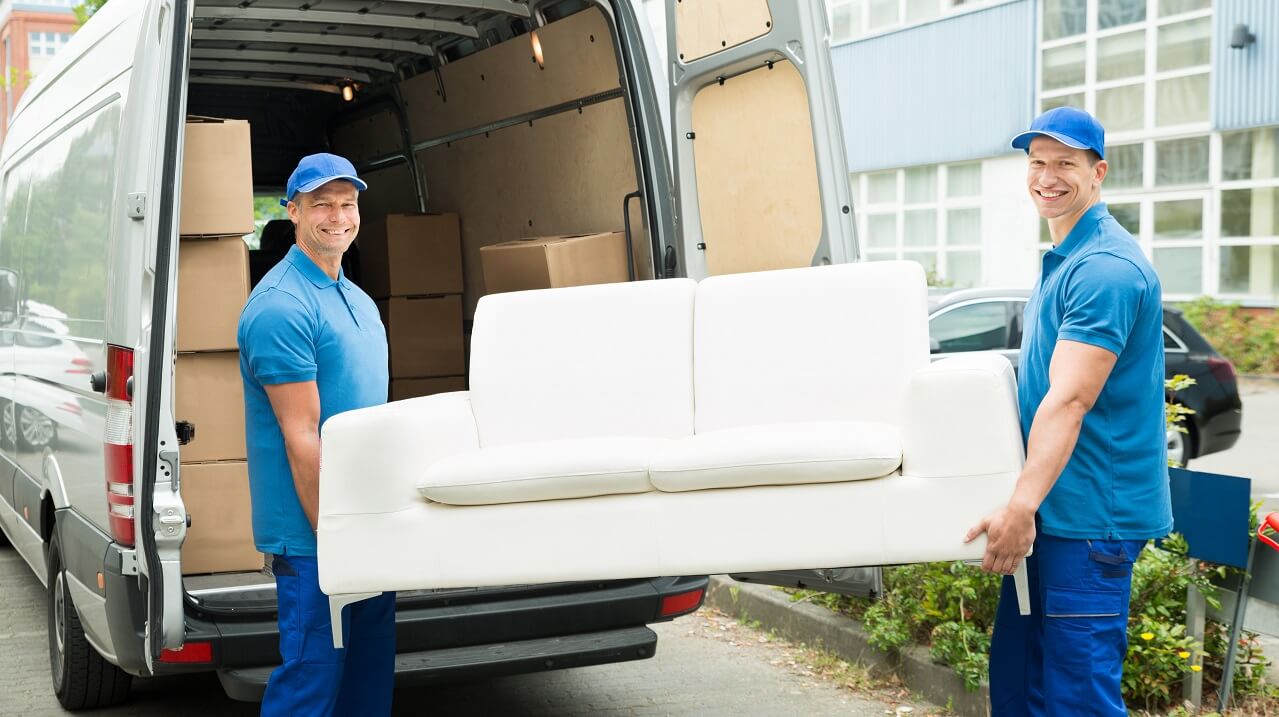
pixel 1254 455
pixel 706 664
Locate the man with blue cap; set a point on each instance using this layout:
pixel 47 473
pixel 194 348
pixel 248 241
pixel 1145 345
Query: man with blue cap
pixel 1094 488
pixel 312 345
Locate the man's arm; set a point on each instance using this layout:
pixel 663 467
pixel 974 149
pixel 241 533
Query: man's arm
pixel 297 409
pixel 1076 376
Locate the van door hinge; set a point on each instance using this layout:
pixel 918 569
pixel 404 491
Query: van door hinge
pixel 137 205
pixel 128 562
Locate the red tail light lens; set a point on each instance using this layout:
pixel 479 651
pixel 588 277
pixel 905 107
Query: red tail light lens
pixel 1222 369
pixel 118 444
pixel 681 603
pixel 192 652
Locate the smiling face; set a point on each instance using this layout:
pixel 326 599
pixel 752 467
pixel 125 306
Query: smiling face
pixel 326 219
pixel 1063 181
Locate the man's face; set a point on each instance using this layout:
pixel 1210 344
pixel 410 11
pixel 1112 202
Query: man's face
pixel 328 218
pixel 1062 180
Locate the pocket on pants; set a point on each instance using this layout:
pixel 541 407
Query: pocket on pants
pixel 1085 640
pixel 1078 604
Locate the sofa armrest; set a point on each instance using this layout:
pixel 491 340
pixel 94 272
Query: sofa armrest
pixel 372 459
pixel 961 419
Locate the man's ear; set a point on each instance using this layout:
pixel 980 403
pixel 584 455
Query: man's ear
pixel 1100 169
pixel 293 210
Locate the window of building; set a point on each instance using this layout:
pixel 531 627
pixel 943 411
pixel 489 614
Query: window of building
pixel 929 214
pixel 851 19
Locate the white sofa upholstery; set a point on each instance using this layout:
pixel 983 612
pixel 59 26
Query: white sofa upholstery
pixel 753 422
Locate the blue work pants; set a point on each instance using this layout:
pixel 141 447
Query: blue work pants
pixel 317 680
pixel 1066 658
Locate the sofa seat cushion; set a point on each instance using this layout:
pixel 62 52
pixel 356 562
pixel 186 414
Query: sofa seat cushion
pixel 543 470
pixel 778 454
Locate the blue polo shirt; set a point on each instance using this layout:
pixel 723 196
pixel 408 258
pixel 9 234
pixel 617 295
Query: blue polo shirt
pixel 300 325
pixel 1097 288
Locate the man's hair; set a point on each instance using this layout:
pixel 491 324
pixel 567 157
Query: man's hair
pixel 1093 158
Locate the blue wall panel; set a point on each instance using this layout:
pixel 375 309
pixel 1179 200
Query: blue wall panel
pixel 1245 83
pixel 954 89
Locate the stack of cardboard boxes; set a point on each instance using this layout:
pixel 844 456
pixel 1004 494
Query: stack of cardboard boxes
pixel 213 284
pixel 555 261
pixel 411 265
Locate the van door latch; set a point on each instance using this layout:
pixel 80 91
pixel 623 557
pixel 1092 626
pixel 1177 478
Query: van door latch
pixel 137 205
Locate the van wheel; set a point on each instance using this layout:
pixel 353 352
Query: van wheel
pixel 81 678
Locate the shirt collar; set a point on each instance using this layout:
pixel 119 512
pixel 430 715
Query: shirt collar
pixel 314 273
pixel 1083 228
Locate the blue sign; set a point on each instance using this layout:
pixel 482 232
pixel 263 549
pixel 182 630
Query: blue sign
pixel 1212 512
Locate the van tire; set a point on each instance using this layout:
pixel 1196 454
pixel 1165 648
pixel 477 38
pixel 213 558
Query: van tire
pixel 81 677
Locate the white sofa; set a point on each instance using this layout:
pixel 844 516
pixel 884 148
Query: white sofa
pixel 752 422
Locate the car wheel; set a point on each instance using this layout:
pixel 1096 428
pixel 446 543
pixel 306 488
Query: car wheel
pixel 1179 447
pixel 81 677
pixel 35 430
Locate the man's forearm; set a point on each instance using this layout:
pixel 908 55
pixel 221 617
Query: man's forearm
pixel 303 449
pixel 1053 435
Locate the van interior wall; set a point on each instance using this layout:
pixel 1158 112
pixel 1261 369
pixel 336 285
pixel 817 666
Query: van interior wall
pixel 566 173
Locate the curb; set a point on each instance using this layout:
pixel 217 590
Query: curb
pixel 843 636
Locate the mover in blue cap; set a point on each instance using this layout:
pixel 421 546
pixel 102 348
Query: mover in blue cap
pixel 312 345
pixel 1094 488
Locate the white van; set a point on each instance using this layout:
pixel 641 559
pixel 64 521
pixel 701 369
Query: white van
pixel 524 117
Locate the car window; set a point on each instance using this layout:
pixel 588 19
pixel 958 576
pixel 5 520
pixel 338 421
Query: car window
pixel 1170 341
pixel 975 327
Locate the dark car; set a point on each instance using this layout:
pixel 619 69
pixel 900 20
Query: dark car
pixel 990 320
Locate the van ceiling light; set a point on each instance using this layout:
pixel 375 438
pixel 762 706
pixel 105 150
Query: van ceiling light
pixel 537 50
pixel 348 92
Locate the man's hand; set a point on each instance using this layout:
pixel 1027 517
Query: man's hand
pixel 1010 531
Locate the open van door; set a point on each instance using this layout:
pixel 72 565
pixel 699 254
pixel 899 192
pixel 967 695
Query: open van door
pixel 760 172
pixel 761 180
pixel 161 65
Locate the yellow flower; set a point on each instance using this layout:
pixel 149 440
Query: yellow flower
pixel 1147 635
pixel 1183 654
pixel 1196 668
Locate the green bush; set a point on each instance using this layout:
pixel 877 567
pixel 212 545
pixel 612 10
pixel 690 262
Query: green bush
pixel 1249 339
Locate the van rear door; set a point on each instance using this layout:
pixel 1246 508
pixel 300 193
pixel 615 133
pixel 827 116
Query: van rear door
pixel 761 180
pixel 162 61
pixel 760 172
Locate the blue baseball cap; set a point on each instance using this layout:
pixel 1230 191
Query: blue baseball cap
pixel 1068 125
pixel 316 170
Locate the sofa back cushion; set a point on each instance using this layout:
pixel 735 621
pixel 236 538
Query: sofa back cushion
pixel 830 343
pixel 582 362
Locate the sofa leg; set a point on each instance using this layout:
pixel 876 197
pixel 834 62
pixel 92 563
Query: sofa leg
pixel 336 603
pixel 1022 582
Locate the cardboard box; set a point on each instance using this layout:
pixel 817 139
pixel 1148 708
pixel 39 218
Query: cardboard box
pixel 551 262
pixel 213 284
pixel 220 539
pixel 411 255
pixel 425 336
pixel 210 394
pixel 402 388
pixel 217 178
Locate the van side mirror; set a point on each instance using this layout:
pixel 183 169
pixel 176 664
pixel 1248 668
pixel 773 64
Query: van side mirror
pixel 8 296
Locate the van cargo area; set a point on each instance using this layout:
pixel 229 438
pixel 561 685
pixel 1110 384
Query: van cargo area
pixel 473 128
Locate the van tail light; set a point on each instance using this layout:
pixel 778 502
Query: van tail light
pixel 681 603
pixel 190 653
pixel 1222 369
pixel 119 444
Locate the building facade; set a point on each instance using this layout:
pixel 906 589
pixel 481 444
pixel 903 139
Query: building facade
pixel 931 91
pixel 31 33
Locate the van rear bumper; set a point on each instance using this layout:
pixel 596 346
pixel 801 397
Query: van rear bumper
pixel 483 661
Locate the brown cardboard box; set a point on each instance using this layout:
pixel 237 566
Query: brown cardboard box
pixel 220 539
pixel 213 284
pixel 402 388
pixel 551 262
pixel 411 255
pixel 210 394
pixel 425 336
pixel 217 178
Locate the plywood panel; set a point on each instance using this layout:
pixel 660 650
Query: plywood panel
pixel 564 174
pixel 704 27
pixel 503 81
pixel 756 172
pixel 375 135
pixel 391 191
